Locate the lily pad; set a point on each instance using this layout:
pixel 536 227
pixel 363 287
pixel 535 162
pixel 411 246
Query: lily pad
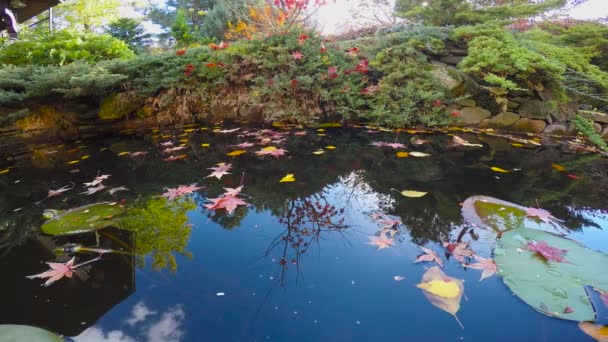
pixel 501 216
pixel 16 333
pixel 83 219
pixel 553 288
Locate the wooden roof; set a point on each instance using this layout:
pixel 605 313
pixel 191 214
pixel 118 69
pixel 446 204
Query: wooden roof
pixel 33 8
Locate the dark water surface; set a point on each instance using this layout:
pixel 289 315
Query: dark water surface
pixel 294 265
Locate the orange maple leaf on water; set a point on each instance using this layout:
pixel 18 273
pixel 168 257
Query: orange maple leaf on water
pixel 381 241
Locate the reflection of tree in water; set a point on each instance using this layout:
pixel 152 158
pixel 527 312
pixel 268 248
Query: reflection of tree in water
pixel 305 221
pixel 161 229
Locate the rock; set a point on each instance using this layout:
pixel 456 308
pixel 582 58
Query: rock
pixel 533 109
pixel 502 103
pixel 454 106
pixel 500 121
pixel 598 127
pixel 459 52
pixel 528 125
pixel 471 116
pixel 451 60
pixel 497 91
pixel 549 119
pixel 439 64
pixel 572 129
pixel 512 105
pixel 518 93
pixel 465 102
pixel 565 112
pixel 556 129
pixel 594 116
pixel 117 106
pixel 546 94
pixel 604 132
pixel 585 106
pixel 449 79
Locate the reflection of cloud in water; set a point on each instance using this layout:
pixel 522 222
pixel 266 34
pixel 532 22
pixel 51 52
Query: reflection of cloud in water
pixel 166 329
pixel 95 334
pixel 359 196
pixel 139 314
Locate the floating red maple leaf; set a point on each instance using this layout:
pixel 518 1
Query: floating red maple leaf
pixel 541 214
pixel 58 270
pixel 548 252
pixel 220 170
pixel 244 145
pixel 233 192
pixel 459 250
pixel 227 202
pixel 430 256
pixel 172 194
pixel 486 265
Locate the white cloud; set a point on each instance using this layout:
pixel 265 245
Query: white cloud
pixel 95 334
pixel 139 314
pixel 168 328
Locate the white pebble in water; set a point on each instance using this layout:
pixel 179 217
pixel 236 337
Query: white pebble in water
pixel 220 294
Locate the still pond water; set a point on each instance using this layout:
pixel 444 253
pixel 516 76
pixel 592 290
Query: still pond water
pixel 295 264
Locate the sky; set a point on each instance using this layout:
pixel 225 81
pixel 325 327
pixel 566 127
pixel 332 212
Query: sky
pixel 334 17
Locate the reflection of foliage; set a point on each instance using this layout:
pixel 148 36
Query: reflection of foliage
pixel 305 221
pixel 162 229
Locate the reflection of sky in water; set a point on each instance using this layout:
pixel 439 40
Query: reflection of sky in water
pixel 342 290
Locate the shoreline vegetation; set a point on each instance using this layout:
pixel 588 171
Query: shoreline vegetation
pixel 511 74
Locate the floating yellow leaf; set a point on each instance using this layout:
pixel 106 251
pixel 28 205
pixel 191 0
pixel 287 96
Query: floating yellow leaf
pixel 412 193
pixel 331 124
pixel 73 162
pixel 321 134
pixel 517 145
pixel 189 130
pixel 497 169
pixel 236 153
pixel 103 149
pixel 558 167
pixel 443 291
pixel 85 157
pixel 205 145
pixel 184 140
pixel 330 147
pixel 288 178
pixel 204 128
pixel 319 152
pixel 402 154
pixel 442 288
pixel 419 154
pixel 167 136
pixel 269 149
pixel 321 130
pixel 4 171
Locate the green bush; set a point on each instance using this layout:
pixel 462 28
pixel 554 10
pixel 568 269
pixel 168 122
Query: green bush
pixel 63 48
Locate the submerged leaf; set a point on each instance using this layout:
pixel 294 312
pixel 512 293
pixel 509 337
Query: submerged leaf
pixel 442 291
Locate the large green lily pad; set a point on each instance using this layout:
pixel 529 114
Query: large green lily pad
pixel 500 216
pixel 83 219
pixel 26 333
pixel 553 288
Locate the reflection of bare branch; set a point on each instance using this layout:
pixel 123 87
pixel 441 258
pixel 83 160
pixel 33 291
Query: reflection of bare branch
pixel 305 221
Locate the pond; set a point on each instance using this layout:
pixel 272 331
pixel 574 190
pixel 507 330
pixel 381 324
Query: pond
pixel 319 244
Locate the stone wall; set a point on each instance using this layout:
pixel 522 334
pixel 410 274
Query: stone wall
pixel 518 111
